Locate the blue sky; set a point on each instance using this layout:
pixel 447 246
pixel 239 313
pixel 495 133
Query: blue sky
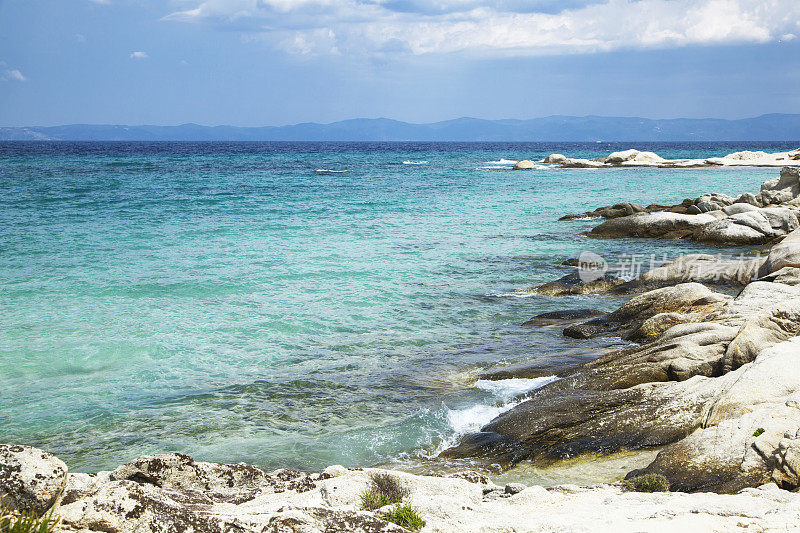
pixel 271 62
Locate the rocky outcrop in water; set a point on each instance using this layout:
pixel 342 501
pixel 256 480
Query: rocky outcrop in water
pixel 718 219
pixel 701 374
pixel 635 158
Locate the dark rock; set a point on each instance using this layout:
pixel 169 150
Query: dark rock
pixel 552 318
pixel 573 284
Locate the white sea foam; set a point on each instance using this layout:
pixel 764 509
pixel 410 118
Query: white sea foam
pixel 506 389
pixel 415 162
pixel 502 162
pixel 471 419
pixel 329 171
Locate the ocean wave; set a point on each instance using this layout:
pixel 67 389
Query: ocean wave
pixel 507 394
pixel 415 162
pixel 501 162
pixel 329 171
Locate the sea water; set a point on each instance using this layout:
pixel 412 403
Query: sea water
pixel 295 304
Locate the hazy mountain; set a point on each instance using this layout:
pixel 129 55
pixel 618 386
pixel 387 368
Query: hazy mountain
pixel 773 127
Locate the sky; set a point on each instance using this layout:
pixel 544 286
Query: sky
pixel 275 62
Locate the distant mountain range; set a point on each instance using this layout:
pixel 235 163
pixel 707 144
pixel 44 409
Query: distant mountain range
pixel 772 127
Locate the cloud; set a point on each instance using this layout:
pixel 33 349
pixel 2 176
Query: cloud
pixel 504 27
pixel 139 55
pixel 10 74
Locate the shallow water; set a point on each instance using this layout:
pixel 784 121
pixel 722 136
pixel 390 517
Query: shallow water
pixel 292 305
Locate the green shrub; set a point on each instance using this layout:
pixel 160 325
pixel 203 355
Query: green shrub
pixel 758 432
pixel 405 516
pixel 371 500
pixel 648 483
pixel 26 522
pixel 384 489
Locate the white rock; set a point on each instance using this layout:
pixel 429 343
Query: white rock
pixel 619 157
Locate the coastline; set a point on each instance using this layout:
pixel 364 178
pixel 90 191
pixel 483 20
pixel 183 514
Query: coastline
pixel 758 325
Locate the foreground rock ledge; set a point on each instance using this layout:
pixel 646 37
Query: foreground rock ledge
pixel 174 493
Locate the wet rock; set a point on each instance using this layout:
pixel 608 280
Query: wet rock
pixel 30 479
pixel 621 209
pixel 573 284
pixel 561 317
pixel 514 488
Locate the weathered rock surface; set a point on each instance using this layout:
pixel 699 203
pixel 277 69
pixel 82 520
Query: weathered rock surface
pixel 662 225
pixel 467 502
pixel 749 431
pixel 525 164
pixel 555 159
pixel 705 360
pixel 30 479
pixel 683 298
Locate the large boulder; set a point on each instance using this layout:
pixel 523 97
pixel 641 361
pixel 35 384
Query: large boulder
pixel 782 255
pixel 782 189
pixel 703 268
pixel 747 155
pixel 555 159
pixel 648 157
pixel 661 224
pixel 620 157
pixel 30 479
pixel 525 165
pixel 748 435
pixel 683 298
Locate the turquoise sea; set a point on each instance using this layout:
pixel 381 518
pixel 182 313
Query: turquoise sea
pixel 293 304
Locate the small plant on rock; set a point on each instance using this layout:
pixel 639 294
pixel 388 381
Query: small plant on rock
pixel 758 432
pixel 648 483
pixel 405 516
pixel 385 489
pixel 26 522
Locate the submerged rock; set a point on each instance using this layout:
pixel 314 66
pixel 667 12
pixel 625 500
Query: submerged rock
pixel 561 317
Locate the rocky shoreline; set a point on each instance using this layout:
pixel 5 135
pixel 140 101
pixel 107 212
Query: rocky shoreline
pixel 711 378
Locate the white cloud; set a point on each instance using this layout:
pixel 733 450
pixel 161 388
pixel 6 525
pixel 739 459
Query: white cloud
pixel 508 27
pixel 10 74
pixel 786 37
pixel 139 55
